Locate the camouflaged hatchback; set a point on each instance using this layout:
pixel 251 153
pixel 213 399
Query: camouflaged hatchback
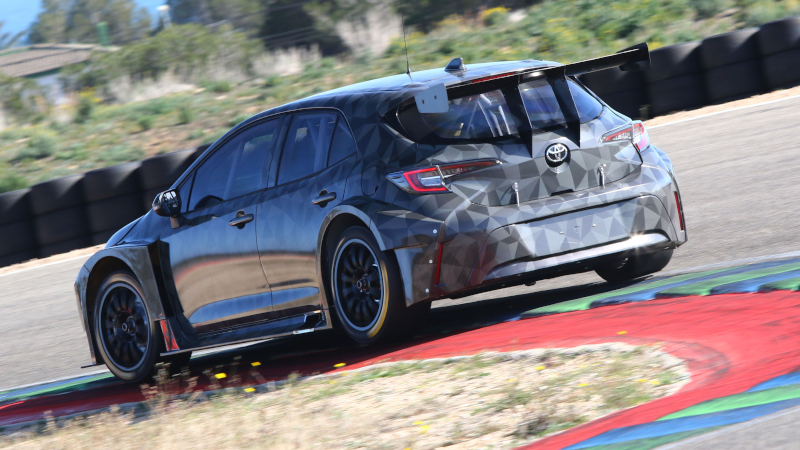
pixel 358 207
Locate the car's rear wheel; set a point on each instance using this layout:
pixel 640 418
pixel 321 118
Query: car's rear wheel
pixel 634 266
pixel 367 291
pixel 126 336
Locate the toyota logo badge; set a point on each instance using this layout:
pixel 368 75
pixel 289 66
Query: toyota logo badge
pixel 556 154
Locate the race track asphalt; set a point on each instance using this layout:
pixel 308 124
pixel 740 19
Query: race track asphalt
pixel 739 176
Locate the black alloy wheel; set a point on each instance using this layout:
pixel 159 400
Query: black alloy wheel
pixel 367 290
pixel 126 335
pixel 359 284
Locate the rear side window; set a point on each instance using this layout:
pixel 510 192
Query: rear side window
pixel 542 105
pixel 236 168
pixel 343 144
pixel 305 150
pixel 588 106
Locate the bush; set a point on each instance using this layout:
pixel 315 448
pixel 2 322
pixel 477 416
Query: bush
pixel 10 181
pixel 74 152
pixel 494 16
pixel 85 108
pixel 121 154
pixel 40 145
pixel 196 134
pixel 185 115
pixel 219 86
pixel 238 119
pixel 145 122
pixel 708 8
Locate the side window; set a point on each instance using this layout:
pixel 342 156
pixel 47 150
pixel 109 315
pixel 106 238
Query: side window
pixel 306 147
pixel 237 168
pixel 588 107
pixel 343 144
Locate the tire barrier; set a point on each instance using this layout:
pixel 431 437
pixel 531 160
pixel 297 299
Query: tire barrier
pixel 78 211
pixel 623 91
pixel 675 81
pixel 732 65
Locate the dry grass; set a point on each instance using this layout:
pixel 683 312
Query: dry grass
pixel 490 400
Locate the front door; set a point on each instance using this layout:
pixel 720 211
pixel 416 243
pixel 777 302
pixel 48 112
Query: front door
pixel 213 254
pixel 318 155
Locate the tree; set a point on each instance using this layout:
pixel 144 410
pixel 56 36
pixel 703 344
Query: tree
pixel 243 15
pixel 7 40
pixel 77 20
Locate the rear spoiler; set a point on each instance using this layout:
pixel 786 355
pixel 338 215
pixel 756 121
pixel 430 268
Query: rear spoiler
pixel 632 58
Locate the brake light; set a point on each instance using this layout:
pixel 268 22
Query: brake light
pixel 492 77
pixel 431 179
pixel 635 132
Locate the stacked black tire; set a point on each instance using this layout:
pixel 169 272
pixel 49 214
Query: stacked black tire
pixel 732 65
pixel 779 45
pixel 17 239
pixel 59 215
pixel 113 199
pixel 159 172
pixel 623 91
pixel 675 81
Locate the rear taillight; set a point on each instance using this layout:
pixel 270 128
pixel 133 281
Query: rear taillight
pixel 680 211
pixel 431 179
pixel 635 132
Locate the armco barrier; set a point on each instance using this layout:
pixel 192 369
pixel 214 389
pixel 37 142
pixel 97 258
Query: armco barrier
pixel 75 211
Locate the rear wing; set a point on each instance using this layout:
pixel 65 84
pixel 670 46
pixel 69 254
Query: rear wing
pixel 630 59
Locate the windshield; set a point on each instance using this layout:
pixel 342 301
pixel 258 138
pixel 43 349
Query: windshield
pixel 487 115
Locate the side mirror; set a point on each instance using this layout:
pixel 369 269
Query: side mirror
pixel 167 204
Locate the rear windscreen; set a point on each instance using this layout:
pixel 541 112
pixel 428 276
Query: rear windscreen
pixel 487 116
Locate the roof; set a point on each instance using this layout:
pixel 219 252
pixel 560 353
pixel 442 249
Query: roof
pixel 40 58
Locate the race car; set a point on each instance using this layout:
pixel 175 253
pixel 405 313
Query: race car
pixel 357 207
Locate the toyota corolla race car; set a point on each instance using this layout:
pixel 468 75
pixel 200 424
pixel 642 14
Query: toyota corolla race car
pixel 358 207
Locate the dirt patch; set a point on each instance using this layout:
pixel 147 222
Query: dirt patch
pixel 52 259
pixel 681 115
pixel 495 400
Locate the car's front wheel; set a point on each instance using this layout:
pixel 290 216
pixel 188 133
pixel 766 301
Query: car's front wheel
pixel 368 291
pixel 126 335
pixel 634 266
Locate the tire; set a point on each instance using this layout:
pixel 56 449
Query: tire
pixel 163 170
pixel 17 237
pixel 779 35
pixel 611 81
pixel 676 94
pixel 58 226
pixel 782 70
pixel 729 48
pixel 127 337
pixel 61 193
pixel 110 182
pixel 58 248
pixel 627 103
pixel 113 213
pixel 635 266
pixel 374 310
pixel 674 61
pixel 15 206
pixel 741 79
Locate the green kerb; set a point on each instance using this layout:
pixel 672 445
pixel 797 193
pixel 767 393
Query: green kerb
pixel 742 400
pixel 789 284
pixel 584 303
pixel 653 442
pixel 705 287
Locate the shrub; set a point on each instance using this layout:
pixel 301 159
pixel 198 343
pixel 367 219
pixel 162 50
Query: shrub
pixel 121 154
pixel 196 134
pixel 40 145
pixel 708 8
pixel 239 119
pixel 494 16
pixel 211 138
pixel 219 86
pixel 145 122
pixel 85 108
pixel 10 181
pixel 185 115
pixel 75 151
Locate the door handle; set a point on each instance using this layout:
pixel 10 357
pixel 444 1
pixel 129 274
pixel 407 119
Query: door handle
pixel 241 220
pixel 324 198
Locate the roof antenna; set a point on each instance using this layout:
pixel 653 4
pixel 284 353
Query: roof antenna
pixel 408 66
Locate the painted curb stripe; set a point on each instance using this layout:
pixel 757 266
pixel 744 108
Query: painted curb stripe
pixel 738 401
pixel 792 284
pixel 704 287
pixel 755 285
pixel 60 387
pixel 651 443
pixel 783 380
pixel 586 302
pixel 683 424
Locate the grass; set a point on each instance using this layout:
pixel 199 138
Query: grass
pixel 416 404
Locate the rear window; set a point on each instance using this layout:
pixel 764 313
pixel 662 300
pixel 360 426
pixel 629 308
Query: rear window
pixel 487 115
